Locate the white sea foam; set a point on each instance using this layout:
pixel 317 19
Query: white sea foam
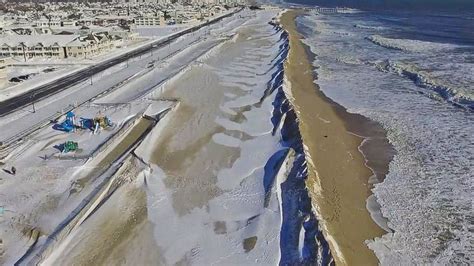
pixel 409 45
pixel 454 91
pixel 427 195
pixel 368 27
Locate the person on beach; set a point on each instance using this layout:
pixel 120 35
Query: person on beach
pixel 13 171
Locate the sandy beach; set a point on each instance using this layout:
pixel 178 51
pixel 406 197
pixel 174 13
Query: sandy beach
pixel 338 175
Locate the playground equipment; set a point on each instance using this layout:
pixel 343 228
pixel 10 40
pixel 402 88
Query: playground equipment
pixel 99 122
pixel 87 123
pixel 93 124
pixel 69 124
pixel 103 122
pixel 70 146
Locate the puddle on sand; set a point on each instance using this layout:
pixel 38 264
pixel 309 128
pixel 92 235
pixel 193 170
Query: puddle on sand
pixel 249 243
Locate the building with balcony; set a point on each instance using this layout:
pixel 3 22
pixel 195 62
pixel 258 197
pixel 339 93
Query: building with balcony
pixel 150 20
pixel 27 47
pixel 33 46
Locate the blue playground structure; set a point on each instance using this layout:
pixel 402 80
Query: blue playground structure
pixel 67 125
pixel 87 123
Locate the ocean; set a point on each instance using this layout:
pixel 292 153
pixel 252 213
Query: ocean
pixel 413 72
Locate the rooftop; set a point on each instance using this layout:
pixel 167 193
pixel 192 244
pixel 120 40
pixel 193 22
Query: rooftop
pixel 31 40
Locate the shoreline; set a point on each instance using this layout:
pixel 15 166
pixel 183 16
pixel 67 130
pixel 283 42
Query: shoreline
pixel 375 147
pixel 345 151
pixel 365 128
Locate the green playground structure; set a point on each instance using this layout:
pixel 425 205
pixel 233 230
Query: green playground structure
pixel 70 146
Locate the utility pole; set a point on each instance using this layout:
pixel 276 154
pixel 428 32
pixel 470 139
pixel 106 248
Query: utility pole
pixel 24 52
pixel 33 102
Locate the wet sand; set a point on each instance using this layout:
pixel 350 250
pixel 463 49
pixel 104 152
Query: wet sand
pixel 338 172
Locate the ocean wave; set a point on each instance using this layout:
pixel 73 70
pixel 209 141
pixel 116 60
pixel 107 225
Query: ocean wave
pixel 427 194
pixel 408 45
pixel 423 80
pixel 344 10
pixel 347 10
pixel 349 60
pixel 367 27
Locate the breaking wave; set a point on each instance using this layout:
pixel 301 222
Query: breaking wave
pixel 427 194
pixel 408 45
pixel 367 27
pixel 422 80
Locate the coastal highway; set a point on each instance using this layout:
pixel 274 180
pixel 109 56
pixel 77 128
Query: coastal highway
pixel 43 91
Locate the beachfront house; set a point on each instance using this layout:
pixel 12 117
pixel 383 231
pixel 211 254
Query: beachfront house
pixel 34 46
pixel 57 46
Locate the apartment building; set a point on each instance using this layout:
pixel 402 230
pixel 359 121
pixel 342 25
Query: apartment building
pixel 90 45
pixel 150 20
pixel 57 46
pixel 50 23
pixel 4 61
pixel 32 46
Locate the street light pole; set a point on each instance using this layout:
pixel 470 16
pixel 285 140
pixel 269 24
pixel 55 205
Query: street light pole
pixel 24 52
pixel 33 102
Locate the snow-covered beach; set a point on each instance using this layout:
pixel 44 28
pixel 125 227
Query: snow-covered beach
pixel 49 185
pixel 203 164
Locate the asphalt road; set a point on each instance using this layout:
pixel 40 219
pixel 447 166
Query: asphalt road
pixel 13 104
